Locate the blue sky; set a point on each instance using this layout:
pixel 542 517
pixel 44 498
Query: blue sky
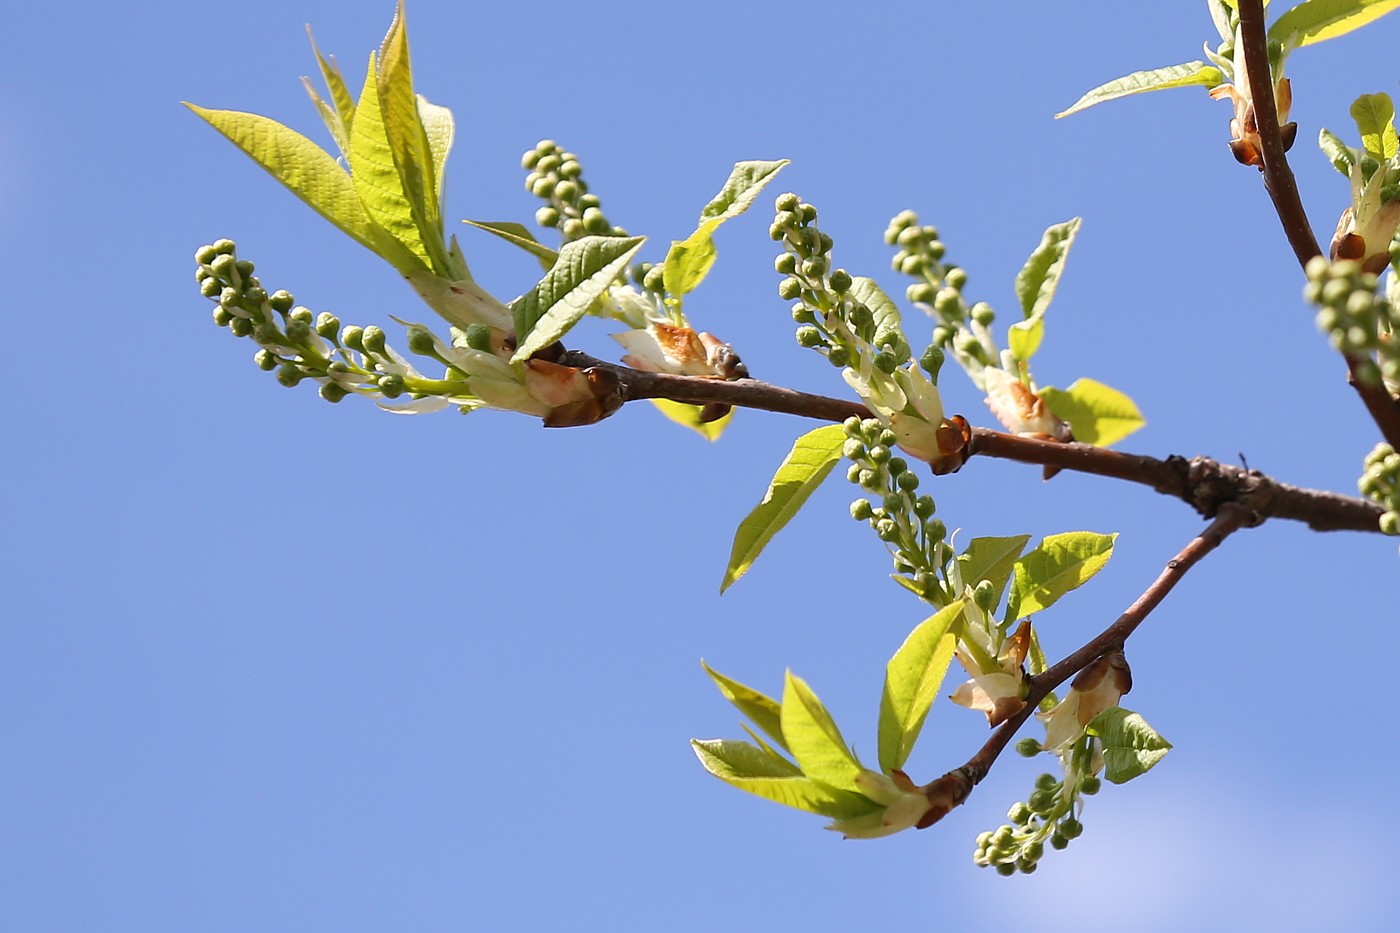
pixel 272 664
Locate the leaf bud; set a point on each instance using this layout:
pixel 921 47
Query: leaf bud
pixel 333 391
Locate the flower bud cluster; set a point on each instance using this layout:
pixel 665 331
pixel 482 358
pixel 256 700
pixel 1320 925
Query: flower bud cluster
pixel 556 177
pixel 1048 817
pixel 938 292
pixel 298 345
pixel 1358 322
pixel 1381 483
pixel 831 318
pixel 901 517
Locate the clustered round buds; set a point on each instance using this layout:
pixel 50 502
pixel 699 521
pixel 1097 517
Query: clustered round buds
pixel 901 517
pixel 832 318
pixel 556 178
pixel 1046 817
pixel 1357 321
pixel 1381 483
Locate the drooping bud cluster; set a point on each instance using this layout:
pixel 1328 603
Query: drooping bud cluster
pixel 1381 483
pixel 1047 817
pixel 903 519
pixel 1359 322
pixel 556 177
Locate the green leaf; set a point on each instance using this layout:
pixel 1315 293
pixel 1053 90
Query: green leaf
pixel 1130 746
pixel 991 559
pixel 688 416
pixel 518 235
pixel 912 679
pixel 1319 20
pixel 306 169
pixel 440 130
pixel 688 261
pixel 586 268
pixel 1337 152
pixel 801 472
pixel 1220 16
pixel 1061 563
pixel 762 710
pixel 882 308
pixel 814 740
pixel 328 117
pixel 746 767
pixel 1040 276
pixel 408 142
pixel 1158 79
pixel 744 184
pixel 1097 414
pixel 376 176
pixel 340 94
pixel 1375 118
pixel 1024 337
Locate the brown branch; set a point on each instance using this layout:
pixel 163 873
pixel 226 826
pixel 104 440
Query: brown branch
pixel 954 787
pixel 1283 191
pixel 1204 484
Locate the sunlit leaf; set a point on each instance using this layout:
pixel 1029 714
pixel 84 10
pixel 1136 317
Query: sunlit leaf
pixel 801 472
pixel 1318 20
pixel 814 740
pixel 1097 414
pixel 1337 152
pixel 688 261
pixel 688 416
pixel 1061 563
pixel 518 235
pixel 1040 276
pixel 328 117
pixel 762 710
pixel 1375 119
pixel 912 679
pixel 1023 338
pixel 991 559
pixel 586 268
pixel 746 767
pixel 441 130
pixel 340 94
pixel 884 311
pixel 1158 79
pixel 1130 746
pixel 744 184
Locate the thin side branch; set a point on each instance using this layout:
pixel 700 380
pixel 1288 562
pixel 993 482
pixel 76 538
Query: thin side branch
pixel 958 784
pixel 1204 484
pixel 1283 191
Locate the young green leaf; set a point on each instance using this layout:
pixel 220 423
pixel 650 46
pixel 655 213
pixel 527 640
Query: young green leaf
pixel 586 268
pixel 440 130
pixel 912 679
pixel 882 307
pixel 814 740
pixel 748 768
pixel 688 261
pixel 1097 414
pixel 1040 276
pixel 376 177
pixel 760 708
pixel 801 472
pixel 740 189
pixel 1315 21
pixel 340 94
pixel 1337 152
pixel 1130 746
pixel 1023 338
pixel 688 416
pixel 1061 563
pixel 1220 16
pixel 306 169
pixel 1375 118
pixel 328 117
pixel 1158 79
pixel 518 235
pixel 991 559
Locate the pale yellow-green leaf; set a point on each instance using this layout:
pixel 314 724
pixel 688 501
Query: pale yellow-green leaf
pixel 1061 563
pixel 748 768
pixel 586 268
pixel 1023 338
pixel 328 117
pixel 689 416
pixel 761 709
pixel 1315 21
pixel 335 83
pixel 688 261
pixel 912 679
pixel 814 740
pixel 441 130
pixel 801 472
pixel 740 189
pixel 1375 119
pixel 1188 74
pixel 1096 413
pixel 518 235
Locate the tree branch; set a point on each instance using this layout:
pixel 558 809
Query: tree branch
pixel 954 787
pixel 1283 191
pixel 1204 484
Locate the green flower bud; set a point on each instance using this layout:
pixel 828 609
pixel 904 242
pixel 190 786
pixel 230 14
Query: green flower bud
pixel 1058 842
pixel 224 247
pixel 566 190
pixel 924 507
pixel 1019 814
pixel 571 229
pixel 789 288
pixel 327 325
pixel 585 201
pixel 352 336
pixel 809 337
pixel 281 301
pixel 931 360
pixel 885 362
pixel 898 466
pixel 838 356
pixel 1071 828
pixel 266 360
pixel 289 375
pixel 547 217
pixel 530 159
pixel 224 266
pixel 594 221
pixel 333 391
pixel 921 293
pixel 983 314
pixel 1042 801
pixel 840 281
pixel 655 280
pixel 801 314
pixel 1005 869
pixel 785 264
pixel 948 304
pixel 205 255
pixel 1090 785
pixel 479 337
pixel 942 335
pixel 880 454
pixel 223 315
pixel 985 595
pixel 420 341
pixel 298 331
pixel 853 473
pixel 210 288
pixel 955 278
pixel 230 297
pixel 869 480
pixel 853 449
pixel 548 163
pixel 912 264
pixel 852 427
pixel 1390 523
pixel 861 510
pixel 391 385
pixel 937 530
pixel 786 202
pixel 543 187
pixel 887 529
pixel 1046 781
pixel 240 327
pixel 776 232
pixel 807 212
pixel 1028 748
pixel 372 340
pixel 814 267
